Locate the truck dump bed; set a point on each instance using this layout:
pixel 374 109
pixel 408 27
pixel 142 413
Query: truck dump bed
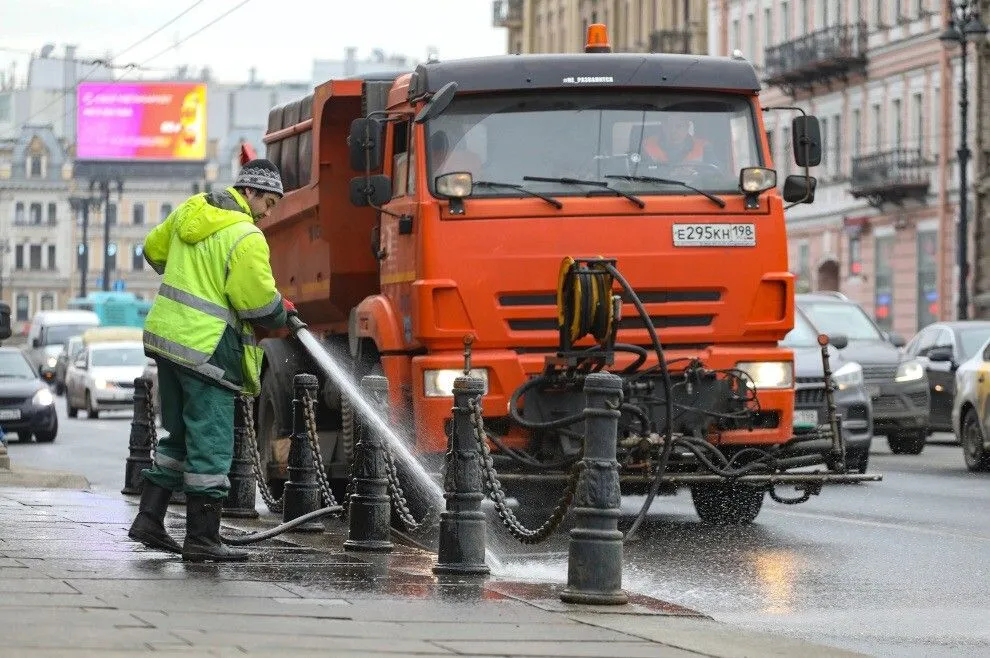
pixel 321 245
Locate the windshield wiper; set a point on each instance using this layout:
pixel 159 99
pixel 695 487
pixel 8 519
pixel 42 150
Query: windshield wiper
pixel 669 181
pixel 596 183
pixel 488 183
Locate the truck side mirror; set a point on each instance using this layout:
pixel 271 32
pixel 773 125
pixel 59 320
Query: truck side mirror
pixel 371 190
pixel 800 189
pixel 365 144
pixel 437 103
pixel 806 140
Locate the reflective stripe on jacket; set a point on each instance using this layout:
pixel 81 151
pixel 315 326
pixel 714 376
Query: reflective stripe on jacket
pixel 216 278
pixel 695 154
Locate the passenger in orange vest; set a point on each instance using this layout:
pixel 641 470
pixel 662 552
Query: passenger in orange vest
pixel 674 144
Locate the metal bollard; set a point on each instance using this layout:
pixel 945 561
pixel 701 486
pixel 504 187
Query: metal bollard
pixel 302 492
pixel 370 514
pixel 462 525
pixel 141 440
pixel 594 561
pixel 240 500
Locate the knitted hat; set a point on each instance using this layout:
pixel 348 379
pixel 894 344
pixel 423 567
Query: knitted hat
pixel 262 175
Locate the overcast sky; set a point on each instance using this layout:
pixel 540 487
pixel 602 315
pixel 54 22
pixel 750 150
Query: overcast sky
pixel 279 37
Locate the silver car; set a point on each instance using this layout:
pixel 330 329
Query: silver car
pixel 102 377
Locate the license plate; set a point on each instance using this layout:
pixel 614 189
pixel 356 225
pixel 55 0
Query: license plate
pixel 806 417
pixel 714 235
pixel 10 414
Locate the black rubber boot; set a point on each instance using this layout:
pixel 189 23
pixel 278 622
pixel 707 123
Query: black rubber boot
pixel 149 524
pixel 203 532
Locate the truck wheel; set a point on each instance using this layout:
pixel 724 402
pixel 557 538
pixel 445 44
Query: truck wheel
pixel 977 458
pixel 725 504
pixel 268 424
pixel 907 443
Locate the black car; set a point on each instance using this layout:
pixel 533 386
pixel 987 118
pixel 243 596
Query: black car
pixel 849 393
pixel 27 405
pixel 897 384
pixel 941 347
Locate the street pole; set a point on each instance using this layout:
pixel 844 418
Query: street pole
pixel 963 311
pixel 84 270
pixel 105 188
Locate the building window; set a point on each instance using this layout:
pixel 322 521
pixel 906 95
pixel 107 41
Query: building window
pixel 734 43
pixel 34 260
pixel 35 213
pixel 19 213
pixel 19 257
pixel 785 21
pixel 878 12
pixel 47 301
pixel 803 268
pixel 918 112
pixel 751 32
pixel 111 256
pixel 166 210
pixel 52 213
pixel 857 132
pixel 927 278
pixel 802 27
pixel 137 261
pixel 877 127
pixel 767 28
pixel 138 214
pixel 883 282
pixel 826 151
pixel 855 256
pixel 51 257
pixel 22 306
pixel 895 109
pixel 112 214
pixel 34 167
pixel 837 147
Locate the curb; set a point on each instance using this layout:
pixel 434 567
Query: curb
pixel 23 477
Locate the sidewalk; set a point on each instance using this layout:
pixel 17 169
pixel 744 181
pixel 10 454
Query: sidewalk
pixel 72 584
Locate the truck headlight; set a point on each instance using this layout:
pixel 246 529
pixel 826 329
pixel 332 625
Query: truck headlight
pixel 848 376
pixel 43 398
pixel 909 371
pixel 440 383
pixel 768 374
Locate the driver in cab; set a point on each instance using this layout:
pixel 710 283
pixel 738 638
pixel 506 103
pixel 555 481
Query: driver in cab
pixel 674 144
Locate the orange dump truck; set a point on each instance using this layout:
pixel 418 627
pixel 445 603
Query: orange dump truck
pixel 437 204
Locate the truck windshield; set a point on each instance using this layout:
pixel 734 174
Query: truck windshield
pixel 703 139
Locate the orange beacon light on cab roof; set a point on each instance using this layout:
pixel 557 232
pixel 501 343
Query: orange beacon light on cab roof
pixel 597 41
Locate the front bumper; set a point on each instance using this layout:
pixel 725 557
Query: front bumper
pixel 27 417
pixel 113 398
pixel 852 406
pixel 900 406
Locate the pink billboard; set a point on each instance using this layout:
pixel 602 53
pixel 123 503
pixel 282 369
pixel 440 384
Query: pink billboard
pixel 141 121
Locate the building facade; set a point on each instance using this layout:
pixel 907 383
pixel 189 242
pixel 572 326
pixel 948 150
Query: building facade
pixel 560 26
pixel 980 120
pixel 882 229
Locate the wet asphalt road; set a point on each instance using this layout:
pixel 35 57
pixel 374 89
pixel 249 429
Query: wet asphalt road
pixel 896 568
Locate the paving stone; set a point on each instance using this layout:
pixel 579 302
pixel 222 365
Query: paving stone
pixel 567 649
pixel 97 617
pixel 233 605
pixel 35 600
pixel 164 590
pixel 11 573
pixel 36 585
pixel 291 642
pixel 43 636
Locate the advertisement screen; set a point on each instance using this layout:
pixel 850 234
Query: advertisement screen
pixel 141 121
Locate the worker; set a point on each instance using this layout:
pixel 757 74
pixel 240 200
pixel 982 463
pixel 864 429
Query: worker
pixel 674 144
pixel 217 282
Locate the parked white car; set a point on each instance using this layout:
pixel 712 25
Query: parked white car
pixel 102 377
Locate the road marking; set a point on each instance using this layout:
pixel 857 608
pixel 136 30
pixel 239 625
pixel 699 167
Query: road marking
pixel 883 524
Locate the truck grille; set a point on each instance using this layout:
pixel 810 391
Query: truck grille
pixel 879 373
pixel 809 397
pixel 659 321
pixel 919 398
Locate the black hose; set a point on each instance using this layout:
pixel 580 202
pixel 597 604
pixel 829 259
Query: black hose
pixel 285 527
pixel 526 460
pixel 668 443
pixel 573 419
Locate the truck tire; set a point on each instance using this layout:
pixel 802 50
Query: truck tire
pixel 268 426
pixel 911 442
pixel 725 504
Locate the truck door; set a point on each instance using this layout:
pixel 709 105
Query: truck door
pixel 397 237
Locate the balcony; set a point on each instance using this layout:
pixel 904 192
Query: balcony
pixel 671 41
pixel 507 13
pixel 893 176
pixel 832 53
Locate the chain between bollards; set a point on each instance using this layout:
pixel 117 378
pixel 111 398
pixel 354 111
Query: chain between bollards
pixel 369 514
pixel 142 439
pixel 302 491
pixel 594 563
pixel 462 525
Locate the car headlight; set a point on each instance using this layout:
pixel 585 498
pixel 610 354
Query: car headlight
pixel 102 383
pixel 52 361
pixel 440 383
pixel 768 374
pixel 909 371
pixel 848 376
pixel 43 398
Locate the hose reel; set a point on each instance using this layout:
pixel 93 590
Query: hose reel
pixel 585 303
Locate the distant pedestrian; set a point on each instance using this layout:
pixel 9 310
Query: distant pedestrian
pixel 217 282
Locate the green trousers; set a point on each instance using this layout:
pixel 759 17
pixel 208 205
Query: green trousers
pixel 196 455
